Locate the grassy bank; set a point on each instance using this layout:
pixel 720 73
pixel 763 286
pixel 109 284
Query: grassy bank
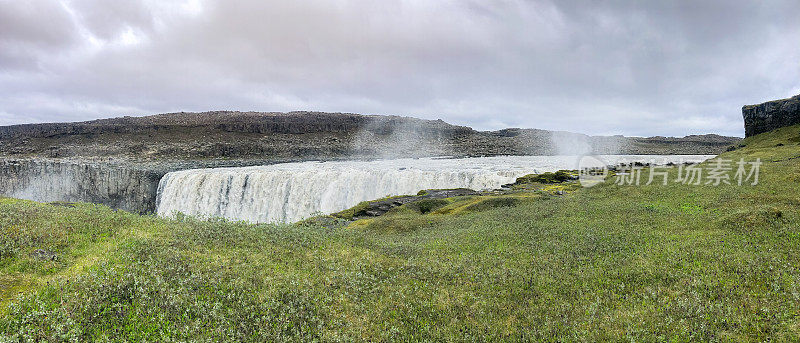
pixel 676 262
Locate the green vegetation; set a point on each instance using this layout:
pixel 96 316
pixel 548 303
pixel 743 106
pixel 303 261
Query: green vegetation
pixel 647 263
pixel 549 177
pixel 351 213
pixel 560 182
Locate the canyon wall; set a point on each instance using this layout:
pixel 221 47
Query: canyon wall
pixel 48 180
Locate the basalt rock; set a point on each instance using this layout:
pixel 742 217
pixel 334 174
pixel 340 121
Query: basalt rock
pixel 771 115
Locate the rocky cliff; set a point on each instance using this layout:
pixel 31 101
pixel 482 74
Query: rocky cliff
pixel 771 115
pixel 118 186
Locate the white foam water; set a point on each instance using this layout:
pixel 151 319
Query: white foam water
pixel 289 192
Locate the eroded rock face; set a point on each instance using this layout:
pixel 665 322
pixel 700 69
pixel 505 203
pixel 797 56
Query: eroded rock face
pixel 771 115
pixel 47 180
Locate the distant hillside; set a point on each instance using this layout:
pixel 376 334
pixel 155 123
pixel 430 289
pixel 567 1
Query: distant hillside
pixel 313 135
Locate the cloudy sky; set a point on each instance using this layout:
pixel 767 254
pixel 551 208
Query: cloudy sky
pixel 598 67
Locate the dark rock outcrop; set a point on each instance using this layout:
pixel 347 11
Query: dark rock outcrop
pixel 771 115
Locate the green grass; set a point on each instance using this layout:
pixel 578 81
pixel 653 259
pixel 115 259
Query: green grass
pixel 608 263
pixel 548 177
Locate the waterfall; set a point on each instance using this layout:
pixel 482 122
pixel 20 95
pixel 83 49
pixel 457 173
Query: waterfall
pixel 292 191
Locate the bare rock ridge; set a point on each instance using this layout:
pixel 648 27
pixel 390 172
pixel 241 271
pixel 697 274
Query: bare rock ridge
pixel 312 135
pixel 771 115
pixel 242 122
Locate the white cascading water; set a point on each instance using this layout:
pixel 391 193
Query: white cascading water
pixel 289 192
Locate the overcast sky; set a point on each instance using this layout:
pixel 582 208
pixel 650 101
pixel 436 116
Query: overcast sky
pixel 599 67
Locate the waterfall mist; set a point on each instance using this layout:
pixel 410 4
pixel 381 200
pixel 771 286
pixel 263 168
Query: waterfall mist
pixel 401 137
pixel 567 143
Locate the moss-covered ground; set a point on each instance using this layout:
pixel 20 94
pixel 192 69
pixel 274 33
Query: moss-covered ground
pixel 607 263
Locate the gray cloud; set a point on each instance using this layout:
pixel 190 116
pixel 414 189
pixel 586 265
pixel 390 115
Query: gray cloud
pixel 600 67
